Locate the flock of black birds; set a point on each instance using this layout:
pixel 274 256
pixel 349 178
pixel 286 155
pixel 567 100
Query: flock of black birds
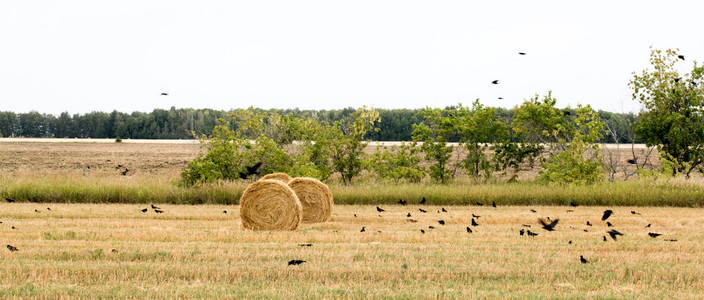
pixel 546 223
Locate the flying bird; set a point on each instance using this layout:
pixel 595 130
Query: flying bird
pixel 422 201
pixel 548 226
pixel 164 94
pixel 12 248
pixel 296 262
pixel 48 208
pixel 495 82
pixel 680 57
pixel 253 170
pixel 402 202
pixel 647 226
pixel 614 233
pixel 654 235
pixel 678 79
pixel 412 221
pixel 522 53
pixel 501 98
pixel 380 209
pixel 607 214
pixel 474 223
pixel 582 260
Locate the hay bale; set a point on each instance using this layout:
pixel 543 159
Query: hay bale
pixel 270 205
pixel 283 177
pixel 315 197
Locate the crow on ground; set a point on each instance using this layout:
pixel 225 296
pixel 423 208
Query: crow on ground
pixel 474 223
pixel 442 222
pixel 12 248
pixel 305 245
pixel 362 229
pixel 582 260
pixel 422 210
pixel 296 262
pixel 402 202
pixel 422 201
pixel 444 210
pixel 654 235
pixel 145 210
pixel 469 229
pixel 158 211
pixel 380 209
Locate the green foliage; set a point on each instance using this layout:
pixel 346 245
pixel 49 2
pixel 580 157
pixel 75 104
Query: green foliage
pixel 479 126
pixel 673 105
pixel 118 140
pixel 434 133
pixel 510 155
pixel 579 161
pixel 398 163
pixel 539 121
pixel 347 148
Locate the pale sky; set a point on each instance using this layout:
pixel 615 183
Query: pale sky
pixel 82 56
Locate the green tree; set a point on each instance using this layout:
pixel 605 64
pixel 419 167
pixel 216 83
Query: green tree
pixel 479 125
pixel 434 133
pixel 672 114
pixel 398 163
pixel 347 146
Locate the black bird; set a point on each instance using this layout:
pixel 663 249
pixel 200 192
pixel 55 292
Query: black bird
pixel 13 227
pixel 530 233
pixel 501 98
pixel 469 229
pixel 145 210
pixel 566 113
pixel 589 224
pixel 608 224
pixel 422 201
pixel 114 251
pixel 671 240
pixel 412 221
pixel 12 248
pixel 614 233
pixel 522 53
pixel 422 210
pixel 526 225
pixel 678 79
pixel 680 57
pixel 480 204
pixel 9 200
pixel 647 226
pixel 296 262
pixel 305 245
pixel 632 161
pixel 402 202
pixel 431 227
pixel 164 94
pixel 355 215
pixel 607 214
pixel 570 242
pixel 493 204
pixel 604 238
pixel 634 212
pixel 253 170
pixel 442 222
pixel 582 260
pixel 380 209
pixel 570 210
pixel 533 210
pixel 36 211
pixel 474 223
pixel 495 81
pixel 422 231
pixel 550 226
pixel 362 229
pixel 124 173
pixel 155 207
pixel 408 215
pixel 654 235
pixel 224 211
pixel 48 208
pixel 573 204
pixel 522 232
pixel 475 216
pixel 443 210
pixel 158 211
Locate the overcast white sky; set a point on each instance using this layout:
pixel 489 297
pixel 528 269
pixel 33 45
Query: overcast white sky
pixel 82 56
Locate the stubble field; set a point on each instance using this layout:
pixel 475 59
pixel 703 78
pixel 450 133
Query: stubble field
pixel 199 251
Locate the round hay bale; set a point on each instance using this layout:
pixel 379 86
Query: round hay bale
pixel 270 205
pixel 283 177
pixel 315 197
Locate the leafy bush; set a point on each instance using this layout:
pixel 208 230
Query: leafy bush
pixel 398 163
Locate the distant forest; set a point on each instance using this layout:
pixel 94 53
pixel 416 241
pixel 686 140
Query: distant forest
pixel 395 125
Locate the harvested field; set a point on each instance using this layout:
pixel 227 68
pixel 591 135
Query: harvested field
pixel 202 252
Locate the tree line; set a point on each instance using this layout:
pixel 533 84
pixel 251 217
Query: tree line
pixel 179 123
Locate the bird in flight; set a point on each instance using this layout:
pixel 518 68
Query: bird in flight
pixel 680 57
pixel 12 248
pixel 548 226
pixel 614 233
pixel 296 262
pixel 522 53
pixel 607 214
pixel 164 94
pixel 379 209
pixel 582 260
pixel 253 170
pixel 654 235
pixel 495 81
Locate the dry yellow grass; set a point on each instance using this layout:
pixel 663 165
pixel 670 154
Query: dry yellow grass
pixel 201 252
